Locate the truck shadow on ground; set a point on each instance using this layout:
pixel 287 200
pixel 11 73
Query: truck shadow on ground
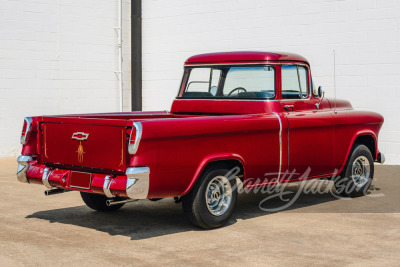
pixel 146 219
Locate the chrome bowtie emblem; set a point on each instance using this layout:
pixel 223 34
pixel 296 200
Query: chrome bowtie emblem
pixel 80 136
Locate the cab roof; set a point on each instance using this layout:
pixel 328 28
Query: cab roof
pixel 244 57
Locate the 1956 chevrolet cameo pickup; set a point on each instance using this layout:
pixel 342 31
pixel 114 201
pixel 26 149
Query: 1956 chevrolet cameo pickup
pixel 254 112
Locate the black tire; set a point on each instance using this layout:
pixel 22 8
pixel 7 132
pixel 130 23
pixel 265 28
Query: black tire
pixel 195 206
pixel 344 183
pixel 98 202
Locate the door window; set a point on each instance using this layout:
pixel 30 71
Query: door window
pixel 294 82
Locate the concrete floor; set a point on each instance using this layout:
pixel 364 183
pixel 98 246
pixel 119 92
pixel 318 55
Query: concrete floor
pixel 316 229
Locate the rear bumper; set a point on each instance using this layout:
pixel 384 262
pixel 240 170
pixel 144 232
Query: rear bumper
pixel 134 184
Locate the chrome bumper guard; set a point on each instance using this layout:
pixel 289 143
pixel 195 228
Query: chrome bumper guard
pixel 22 166
pixel 137 182
pixel 45 178
pixel 106 186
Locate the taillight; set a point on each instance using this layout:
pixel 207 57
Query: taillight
pixel 26 130
pixel 134 138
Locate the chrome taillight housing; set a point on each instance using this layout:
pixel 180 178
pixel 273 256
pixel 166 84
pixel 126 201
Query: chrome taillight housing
pixel 26 130
pixel 134 138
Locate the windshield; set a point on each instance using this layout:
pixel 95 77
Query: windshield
pixel 232 82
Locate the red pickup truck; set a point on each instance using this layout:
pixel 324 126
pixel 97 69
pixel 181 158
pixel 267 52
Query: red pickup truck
pixel 257 113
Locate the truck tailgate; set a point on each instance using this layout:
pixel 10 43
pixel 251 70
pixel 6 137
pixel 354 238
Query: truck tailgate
pixel 92 143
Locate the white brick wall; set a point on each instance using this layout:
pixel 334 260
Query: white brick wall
pixel 58 57
pixel 364 33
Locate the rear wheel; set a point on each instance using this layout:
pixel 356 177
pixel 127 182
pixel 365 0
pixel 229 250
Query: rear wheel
pixel 212 200
pixel 98 202
pixel 357 175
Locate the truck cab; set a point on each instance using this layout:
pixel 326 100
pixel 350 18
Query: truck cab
pixel 279 82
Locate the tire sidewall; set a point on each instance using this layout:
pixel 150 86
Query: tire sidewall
pixel 207 219
pixel 345 185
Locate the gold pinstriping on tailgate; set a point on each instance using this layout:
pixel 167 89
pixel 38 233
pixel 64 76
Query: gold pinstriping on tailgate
pixel 80 152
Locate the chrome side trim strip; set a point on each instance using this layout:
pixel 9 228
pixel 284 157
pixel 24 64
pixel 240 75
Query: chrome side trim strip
pixel 106 186
pixel 132 149
pixel 280 147
pixel 137 182
pixel 45 178
pixel 22 166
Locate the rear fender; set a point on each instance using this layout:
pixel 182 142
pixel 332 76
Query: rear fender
pixel 211 159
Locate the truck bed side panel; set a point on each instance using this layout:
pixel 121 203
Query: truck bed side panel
pixel 173 149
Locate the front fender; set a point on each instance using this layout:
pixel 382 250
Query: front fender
pixel 355 136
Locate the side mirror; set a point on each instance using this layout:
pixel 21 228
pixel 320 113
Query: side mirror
pixel 321 93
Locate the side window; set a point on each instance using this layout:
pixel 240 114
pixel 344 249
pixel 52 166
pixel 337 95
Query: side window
pixel 199 80
pixel 203 82
pixel 294 82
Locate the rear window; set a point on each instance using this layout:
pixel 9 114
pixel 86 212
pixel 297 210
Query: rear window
pixel 230 82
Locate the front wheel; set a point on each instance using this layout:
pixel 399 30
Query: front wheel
pixel 358 173
pixel 212 200
pixel 98 202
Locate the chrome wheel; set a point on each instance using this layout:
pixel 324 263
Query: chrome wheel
pixel 361 171
pixel 218 195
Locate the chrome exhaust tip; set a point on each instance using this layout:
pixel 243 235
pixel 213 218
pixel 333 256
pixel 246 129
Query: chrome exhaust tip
pixel 111 202
pixel 54 191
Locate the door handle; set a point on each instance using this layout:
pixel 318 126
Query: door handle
pixel 288 107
